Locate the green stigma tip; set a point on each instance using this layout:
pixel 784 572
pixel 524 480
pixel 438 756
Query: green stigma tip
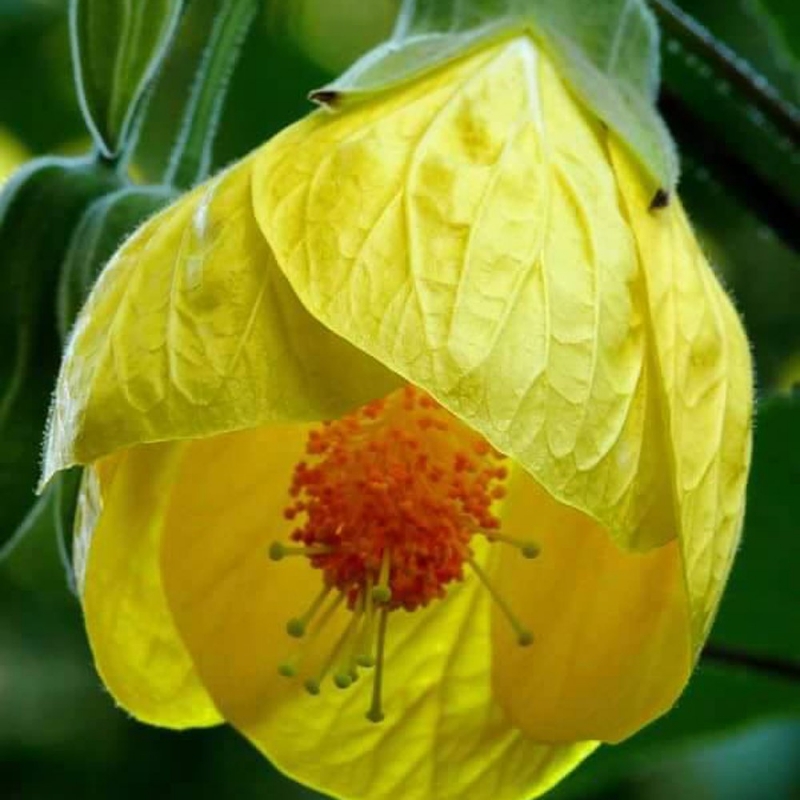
pixel 374 715
pixel 277 551
pixel 287 670
pixel 381 594
pixel 312 686
pixel 296 628
pixel 530 550
pixel 342 681
pixel 525 638
pixel 365 661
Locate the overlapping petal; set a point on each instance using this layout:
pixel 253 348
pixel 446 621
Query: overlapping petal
pixel 703 374
pixel 444 735
pixel 478 233
pixel 192 331
pixel 466 231
pixel 523 280
pixel 199 607
pixel 612 649
pixel 135 644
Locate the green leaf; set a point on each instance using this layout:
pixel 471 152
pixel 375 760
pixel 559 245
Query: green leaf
pixel 607 51
pixel 39 207
pixel 190 160
pixel 700 93
pixel 779 25
pixel 117 50
pixel 66 488
pixel 333 33
pixel 766 33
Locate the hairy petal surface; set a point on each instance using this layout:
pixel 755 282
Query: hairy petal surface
pixel 466 231
pixel 444 735
pixel 136 647
pixel 192 330
pixel 704 375
pixel 611 646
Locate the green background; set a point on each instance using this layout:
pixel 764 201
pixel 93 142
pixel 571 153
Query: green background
pixel 735 735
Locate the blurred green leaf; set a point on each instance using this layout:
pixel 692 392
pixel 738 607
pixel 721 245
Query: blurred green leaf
pixel 779 24
pixel 39 208
pixel 20 11
pixel 696 85
pixel 190 160
pixel 764 32
pixel 66 488
pixel 333 33
pixel 117 50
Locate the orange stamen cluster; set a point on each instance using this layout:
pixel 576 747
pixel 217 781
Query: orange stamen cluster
pixel 387 503
pixel 398 486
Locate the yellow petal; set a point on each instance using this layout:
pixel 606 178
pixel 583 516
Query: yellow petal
pixel 704 376
pixel 466 231
pixel 136 647
pixel 192 330
pixel 612 648
pixel 443 735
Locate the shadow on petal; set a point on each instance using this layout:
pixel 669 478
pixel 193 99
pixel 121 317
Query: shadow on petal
pixel 612 628
pixel 443 736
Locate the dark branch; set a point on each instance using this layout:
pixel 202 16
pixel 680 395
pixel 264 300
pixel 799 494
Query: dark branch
pixel 722 655
pixel 753 86
pixel 739 178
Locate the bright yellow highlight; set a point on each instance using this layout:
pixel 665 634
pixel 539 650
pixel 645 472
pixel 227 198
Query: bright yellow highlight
pixel 480 238
pixel 12 154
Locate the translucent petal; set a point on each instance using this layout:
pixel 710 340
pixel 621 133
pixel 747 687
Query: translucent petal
pixel 466 231
pixel 611 647
pixel 443 736
pixel 704 377
pixel 192 330
pixel 136 647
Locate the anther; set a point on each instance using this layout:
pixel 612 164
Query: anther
pixel 375 713
pixel 382 593
pixel 524 636
pixel 297 626
pixel 279 551
pixel 386 506
pixel 342 681
pixel 527 548
pixel 346 675
pixel 288 669
pixel 313 685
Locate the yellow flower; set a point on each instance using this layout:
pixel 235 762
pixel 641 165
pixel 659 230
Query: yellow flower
pixel 480 238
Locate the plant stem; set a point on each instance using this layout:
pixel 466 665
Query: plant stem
pixel 755 88
pixel 191 156
pixel 725 656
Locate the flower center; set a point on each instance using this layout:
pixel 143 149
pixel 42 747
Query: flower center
pixel 388 502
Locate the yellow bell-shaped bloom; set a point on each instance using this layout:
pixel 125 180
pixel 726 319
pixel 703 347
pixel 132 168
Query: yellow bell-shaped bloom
pixel 515 356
